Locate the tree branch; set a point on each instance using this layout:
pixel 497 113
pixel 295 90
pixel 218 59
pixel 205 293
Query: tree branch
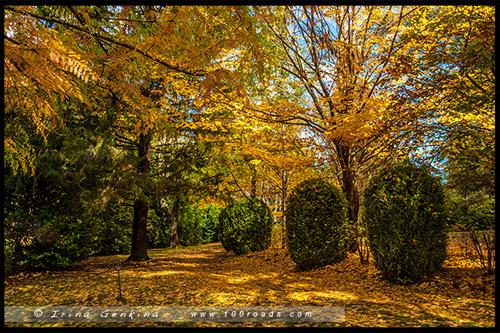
pixel 125 45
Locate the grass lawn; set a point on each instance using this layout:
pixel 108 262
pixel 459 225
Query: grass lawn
pixel 459 295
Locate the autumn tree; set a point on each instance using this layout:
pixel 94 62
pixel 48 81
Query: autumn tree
pixel 272 89
pixel 380 83
pixel 105 50
pixel 40 68
pixel 450 85
pixel 263 158
pixel 340 57
pixel 186 169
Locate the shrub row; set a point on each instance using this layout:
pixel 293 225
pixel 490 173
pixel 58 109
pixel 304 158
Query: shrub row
pixel 403 214
pixel 52 239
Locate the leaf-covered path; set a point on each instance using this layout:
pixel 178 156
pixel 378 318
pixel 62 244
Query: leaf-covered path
pixel 458 295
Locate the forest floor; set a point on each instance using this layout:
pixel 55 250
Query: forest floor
pixel 459 295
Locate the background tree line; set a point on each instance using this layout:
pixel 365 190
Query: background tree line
pixel 123 123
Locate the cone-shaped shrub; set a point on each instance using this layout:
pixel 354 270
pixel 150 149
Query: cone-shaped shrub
pixel 246 226
pixel 405 222
pixel 316 224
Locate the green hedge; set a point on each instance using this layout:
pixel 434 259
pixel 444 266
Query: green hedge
pixel 316 224
pixel 405 222
pixel 246 226
pixel 197 225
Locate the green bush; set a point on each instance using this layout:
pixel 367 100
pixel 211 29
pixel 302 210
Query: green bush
pixel 210 217
pixel 190 226
pixel 52 239
pixel 158 228
pixel 197 225
pixel 246 226
pixel 316 224
pixel 474 212
pixel 405 222
pixel 115 230
pixel 47 242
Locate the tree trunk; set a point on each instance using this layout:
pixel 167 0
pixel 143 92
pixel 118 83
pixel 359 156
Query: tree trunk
pixel 139 232
pixel 284 187
pixel 174 217
pixel 253 186
pixel 348 181
pixel 352 195
pixel 350 190
pixel 139 229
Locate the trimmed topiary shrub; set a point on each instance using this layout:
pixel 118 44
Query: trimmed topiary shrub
pixel 405 222
pixel 316 224
pixel 245 226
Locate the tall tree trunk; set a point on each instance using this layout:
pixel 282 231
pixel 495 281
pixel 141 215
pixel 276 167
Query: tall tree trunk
pixel 284 187
pixel 348 181
pixel 350 189
pixel 352 195
pixel 253 186
pixel 139 228
pixel 284 190
pixel 173 215
pixel 174 218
